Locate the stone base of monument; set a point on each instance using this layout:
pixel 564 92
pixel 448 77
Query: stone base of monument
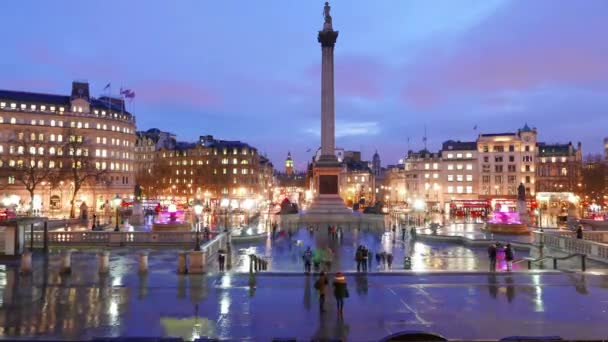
pixel 328 204
pixel 503 228
pixel 171 227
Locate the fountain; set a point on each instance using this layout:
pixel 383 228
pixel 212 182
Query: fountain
pixel 503 221
pixel 171 220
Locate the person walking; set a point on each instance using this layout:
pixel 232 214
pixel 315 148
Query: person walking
pixel 579 232
pixel 320 286
pixel 307 259
pixel 365 256
pixel 383 259
pixel 509 256
pixel 492 257
pixel 389 260
pixel 403 231
pixel 359 257
pixel 370 258
pixel 340 292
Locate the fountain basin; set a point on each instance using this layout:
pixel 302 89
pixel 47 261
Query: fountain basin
pixel 171 227
pixel 507 228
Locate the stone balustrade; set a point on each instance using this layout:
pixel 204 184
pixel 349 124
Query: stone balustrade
pixel 568 243
pixel 91 238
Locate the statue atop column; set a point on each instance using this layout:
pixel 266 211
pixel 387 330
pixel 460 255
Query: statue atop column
pixel 327 17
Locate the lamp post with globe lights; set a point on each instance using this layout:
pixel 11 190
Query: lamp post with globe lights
pixel 117 200
pixel 198 210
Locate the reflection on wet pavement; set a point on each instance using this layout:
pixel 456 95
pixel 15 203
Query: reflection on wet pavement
pixel 237 305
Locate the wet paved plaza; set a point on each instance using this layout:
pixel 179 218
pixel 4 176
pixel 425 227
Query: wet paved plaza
pixel 463 303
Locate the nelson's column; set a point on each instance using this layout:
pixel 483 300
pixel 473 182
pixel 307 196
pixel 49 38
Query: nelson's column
pixel 326 170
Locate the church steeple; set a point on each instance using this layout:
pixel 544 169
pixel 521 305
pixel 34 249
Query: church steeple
pixel 289 164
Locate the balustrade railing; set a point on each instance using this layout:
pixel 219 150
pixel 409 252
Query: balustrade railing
pixel 115 238
pixel 567 242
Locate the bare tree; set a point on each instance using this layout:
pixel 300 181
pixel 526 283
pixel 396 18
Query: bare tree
pixel 27 164
pixel 154 180
pixel 79 165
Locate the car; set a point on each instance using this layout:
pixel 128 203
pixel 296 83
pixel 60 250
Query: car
pixel 6 214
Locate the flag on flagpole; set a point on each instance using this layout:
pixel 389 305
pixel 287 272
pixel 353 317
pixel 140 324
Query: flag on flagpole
pixel 107 86
pixel 475 127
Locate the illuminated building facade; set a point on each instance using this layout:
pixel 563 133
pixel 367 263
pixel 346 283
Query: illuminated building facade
pixel 559 168
pixel 209 170
pixel 47 136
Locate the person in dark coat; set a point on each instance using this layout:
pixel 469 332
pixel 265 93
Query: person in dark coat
pixel 509 256
pixel 307 259
pixel 365 257
pixel 340 292
pixel 579 231
pixel 389 260
pixel 492 256
pixel 378 258
pixel 321 285
pixel 359 257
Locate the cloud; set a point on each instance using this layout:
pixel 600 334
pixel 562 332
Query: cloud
pixel 176 92
pixel 527 45
pixel 350 129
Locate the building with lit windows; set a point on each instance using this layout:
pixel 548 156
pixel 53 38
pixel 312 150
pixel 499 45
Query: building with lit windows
pixel 460 179
pixel 422 180
pixel 559 168
pixel 57 133
pixel 210 170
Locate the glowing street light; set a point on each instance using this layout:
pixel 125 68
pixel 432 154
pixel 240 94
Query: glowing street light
pixel 198 210
pixel 117 200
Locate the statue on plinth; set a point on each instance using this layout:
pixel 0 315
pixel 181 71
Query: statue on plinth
pixel 522 208
pixel 327 17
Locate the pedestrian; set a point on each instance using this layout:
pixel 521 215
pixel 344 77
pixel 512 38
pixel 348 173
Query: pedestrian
pixel 509 256
pixel 370 257
pixel 221 258
pixel 340 292
pixel 579 231
pixel 365 255
pixel 378 258
pixel 320 285
pixel 94 221
pixel 413 233
pixel 383 259
pixel 329 256
pixel 492 256
pixel 403 230
pixel 307 259
pixel 389 260
pixel 359 257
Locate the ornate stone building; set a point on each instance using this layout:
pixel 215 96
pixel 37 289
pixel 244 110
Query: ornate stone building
pixel 61 145
pixel 559 168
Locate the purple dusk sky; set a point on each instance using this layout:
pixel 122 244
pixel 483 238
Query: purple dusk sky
pixel 250 70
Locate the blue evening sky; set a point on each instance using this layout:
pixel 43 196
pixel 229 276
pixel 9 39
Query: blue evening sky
pixel 250 70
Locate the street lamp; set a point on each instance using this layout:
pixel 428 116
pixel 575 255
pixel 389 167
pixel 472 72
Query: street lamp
pixel 198 209
pixel 117 201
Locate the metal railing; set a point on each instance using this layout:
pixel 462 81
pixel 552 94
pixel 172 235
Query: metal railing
pixel 531 261
pixel 572 245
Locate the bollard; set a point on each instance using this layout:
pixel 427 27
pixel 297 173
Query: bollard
pixel 143 262
pixel 66 262
pixel 104 262
pixel 583 262
pixel 181 263
pixel 554 263
pixel 45 237
pixel 26 263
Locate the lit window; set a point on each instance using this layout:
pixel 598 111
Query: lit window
pixel 60 123
pixel 41 122
pixel 469 178
pixel 23 106
pixel 450 178
pixel 460 189
pixel 459 166
pixel 426 175
pixel 450 155
pixel 458 155
pixel 2 104
pixel 79 124
pixel 234 171
pixel 33 122
pixel 435 175
pixel 450 189
pixel 13 105
pixel 86 125
pixel 51 150
pixel 13 121
pixel 469 167
pixel 450 167
pixel 459 178
pixel 469 155
pixel 61 109
pixel 435 166
pixel 469 189
pixel 53 123
pixel 52 108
